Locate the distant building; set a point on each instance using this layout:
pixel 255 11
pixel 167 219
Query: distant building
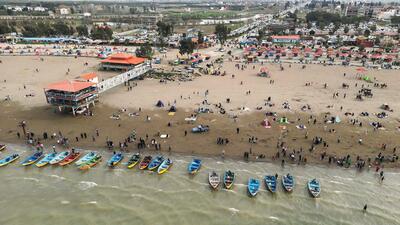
pixel 351 11
pixel 76 96
pixel 288 39
pixel 65 11
pixel 121 61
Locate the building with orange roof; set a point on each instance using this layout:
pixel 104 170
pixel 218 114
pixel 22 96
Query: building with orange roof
pixel 121 61
pixel 76 96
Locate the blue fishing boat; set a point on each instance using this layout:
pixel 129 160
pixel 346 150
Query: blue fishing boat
pixel 288 182
pixel 270 183
pixel 32 159
pixel 155 163
pixel 314 187
pixel 165 165
pixel 253 186
pixel 194 166
pixel 9 159
pixel 47 158
pixel 60 157
pixel 115 159
pixel 89 156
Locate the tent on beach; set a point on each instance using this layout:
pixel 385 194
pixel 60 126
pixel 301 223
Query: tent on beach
pixel 172 109
pixel 264 72
pixel 160 104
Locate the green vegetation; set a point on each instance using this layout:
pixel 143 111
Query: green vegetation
pixel 325 18
pixel 204 15
pixel 164 30
pixel 222 32
pixel 40 29
pixel 145 51
pixel 186 46
pixel 82 30
pixel 395 19
pixel 6 28
pixel 102 32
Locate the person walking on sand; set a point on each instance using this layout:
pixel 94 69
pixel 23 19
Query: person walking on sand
pixel 365 208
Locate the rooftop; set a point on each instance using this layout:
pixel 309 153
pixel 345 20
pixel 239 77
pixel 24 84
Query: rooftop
pixel 69 86
pixel 123 58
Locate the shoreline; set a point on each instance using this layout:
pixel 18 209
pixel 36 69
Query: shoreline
pixel 201 144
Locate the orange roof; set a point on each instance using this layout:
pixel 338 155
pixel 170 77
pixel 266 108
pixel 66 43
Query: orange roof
pixel 69 86
pixel 123 58
pixel 88 76
pixel 297 37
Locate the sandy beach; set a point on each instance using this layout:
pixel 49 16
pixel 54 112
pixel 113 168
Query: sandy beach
pixel 288 85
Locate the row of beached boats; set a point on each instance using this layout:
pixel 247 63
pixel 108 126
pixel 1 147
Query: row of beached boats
pixel 91 159
pixel 253 185
pixel 158 164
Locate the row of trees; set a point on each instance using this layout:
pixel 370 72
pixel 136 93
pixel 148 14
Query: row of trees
pixel 47 29
pixel 322 18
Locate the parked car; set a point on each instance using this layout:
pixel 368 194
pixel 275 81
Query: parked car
pixel 200 129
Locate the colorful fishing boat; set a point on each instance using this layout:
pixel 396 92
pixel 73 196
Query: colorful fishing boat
pixel 164 167
pixel 115 159
pixel 270 183
pixel 91 163
pixel 47 158
pixel 155 163
pixel 9 159
pixel 2 147
pixel 213 180
pixel 253 186
pixel 70 158
pixel 314 187
pixel 86 158
pixel 32 159
pixel 229 179
pixel 288 182
pixel 145 162
pixel 133 160
pixel 194 166
pixel 60 157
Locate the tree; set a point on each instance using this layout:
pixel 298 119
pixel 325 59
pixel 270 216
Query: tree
pixel 200 38
pixel 373 28
pixel 367 33
pixel 222 32
pixel 164 29
pixel 102 32
pixel 346 29
pixel 261 35
pixel 60 28
pixel 186 46
pixel 145 51
pixel 82 30
pixel 312 32
pixel 5 28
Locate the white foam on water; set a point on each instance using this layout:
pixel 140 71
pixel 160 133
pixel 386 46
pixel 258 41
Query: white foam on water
pixel 181 161
pixel 31 179
pixel 273 218
pixel 64 202
pixel 219 162
pixel 343 178
pixel 337 192
pixel 92 202
pixel 234 211
pixel 86 185
pixel 136 195
pixel 336 182
pixel 57 177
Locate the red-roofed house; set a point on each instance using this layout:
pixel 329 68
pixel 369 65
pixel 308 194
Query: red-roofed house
pixel 288 39
pixel 73 95
pixel 121 61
